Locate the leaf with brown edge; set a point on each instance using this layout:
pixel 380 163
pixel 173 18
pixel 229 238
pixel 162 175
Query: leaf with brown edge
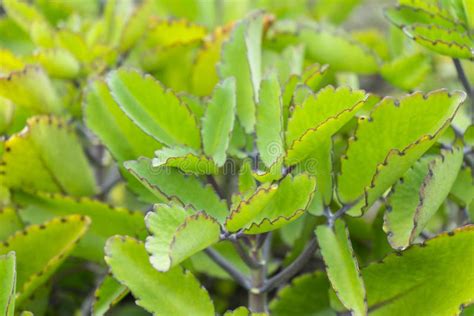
pixel 155 109
pixel 7 283
pixel 31 88
pixel 54 155
pixel 109 293
pixel 438 271
pixel 317 118
pixel 177 233
pixel 186 160
pixel 10 222
pixel 272 207
pixel 40 250
pixel 443 41
pixel 176 292
pixel 106 220
pixel 170 184
pixel 385 145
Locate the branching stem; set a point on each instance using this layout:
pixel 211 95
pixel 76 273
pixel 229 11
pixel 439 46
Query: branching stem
pixel 229 268
pixel 465 83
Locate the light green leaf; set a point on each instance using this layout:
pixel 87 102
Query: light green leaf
pixel 269 129
pixel 243 311
pixel 272 207
pixel 406 71
pixel 463 188
pixel 22 13
pixel 241 59
pixel 177 234
pixel 108 294
pixel 318 117
pixel 437 271
pixel 175 292
pixel 247 183
pixel 9 222
pixel 307 295
pixel 397 134
pixel 136 26
pixel 273 173
pixel 168 183
pixel 7 283
pixel 106 220
pixel 218 121
pixel 40 249
pixel 156 110
pixel 165 32
pixel 342 267
pixel 416 199
pixel 103 116
pixel 469 12
pixel 32 89
pixel 185 159
pixel 443 41
pixel 58 63
pixel 54 156
pixel 337 49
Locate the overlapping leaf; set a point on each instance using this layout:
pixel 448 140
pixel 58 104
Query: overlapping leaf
pixel 54 156
pixel 40 249
pixel 342 267
pixel 156 110
pixel 406 71
pixel 241 59
pixel 414 200
pixel 106 220
pixel 218 121
pixel 177 234
pixel 272 207
pixel 32 89
pixel 108 294
pixel 397 133
pixel 7 283
pixel 168 183
pixel 9 222
pixel 318 118
pixel 437 271
pixel 186 160
pixel 175 292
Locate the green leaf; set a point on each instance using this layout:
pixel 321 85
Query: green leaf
pixel 317 118
pixel 469 12
pixel 443 41
pixel 243 311
pixel 337 49
pixel 407 71
pixel 342 267
pixel 156 110
pixel 106 220
pixel 168 183
pixel 218 121
pixel 58 63
pixel 9 222
pixel 438 270
pixel 272 207
pixel 273 173
pixel 108 294
pixel 269 129
pixel 397 134
pixel 31 89
pixel 40 249
pixel 247 183
pixel 416 198
pixel 135 26
pixel 186 160
pixel 22 13
pixel 175 292
pixel 241 59
pixel 164 32
pixel 7 283
pixel 54 156
pixel 105 118
pixel 177 234
pixel 463 188
pixel 307 295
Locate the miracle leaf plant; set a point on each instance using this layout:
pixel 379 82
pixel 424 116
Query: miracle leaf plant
pixel 236 158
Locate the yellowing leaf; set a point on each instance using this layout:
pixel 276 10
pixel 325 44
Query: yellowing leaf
pixel 54 156
pixel 40 249
pixel 177 234
pixel 272 207
pixel 218 121
pixel 175 292
pixel 58 63
pixel 186 160
pixel 156 110
pixel 397 133
pixel 342 267
pixel 171 32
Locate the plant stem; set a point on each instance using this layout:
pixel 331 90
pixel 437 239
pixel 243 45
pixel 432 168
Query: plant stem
pixel 292 269
pixel 229 268
pixel 465 82
pixel 249 261
pixel 257 298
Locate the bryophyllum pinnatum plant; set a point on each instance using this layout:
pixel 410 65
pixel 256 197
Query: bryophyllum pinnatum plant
pixel 214 158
